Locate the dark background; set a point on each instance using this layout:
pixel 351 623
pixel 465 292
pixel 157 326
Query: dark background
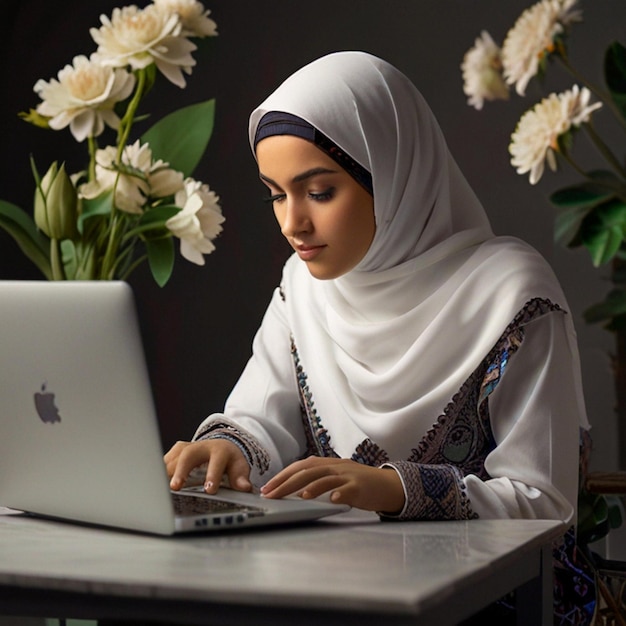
pixel 198 329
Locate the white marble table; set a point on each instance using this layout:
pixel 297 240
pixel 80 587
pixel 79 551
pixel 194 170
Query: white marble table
pixel 352 569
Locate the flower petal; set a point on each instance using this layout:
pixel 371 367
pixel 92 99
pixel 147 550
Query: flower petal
pixel 532 38
pixel 536 138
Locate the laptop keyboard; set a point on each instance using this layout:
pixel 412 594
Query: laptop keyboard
pixel 188 505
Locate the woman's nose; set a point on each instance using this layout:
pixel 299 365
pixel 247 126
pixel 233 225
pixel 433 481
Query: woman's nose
pixel 295 219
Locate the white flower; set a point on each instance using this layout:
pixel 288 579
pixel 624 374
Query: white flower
pixel 83 97
pixel 198 222
pixel 535 139
pixel 482 72
pixel 533 37
pixel 139 37
pixel 143 178
pixel 195 19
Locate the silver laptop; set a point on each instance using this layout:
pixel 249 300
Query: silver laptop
pixel 79 437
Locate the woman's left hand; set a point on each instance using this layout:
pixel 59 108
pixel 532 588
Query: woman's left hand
pixel 360 486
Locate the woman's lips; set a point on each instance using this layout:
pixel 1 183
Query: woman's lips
pixel 308 253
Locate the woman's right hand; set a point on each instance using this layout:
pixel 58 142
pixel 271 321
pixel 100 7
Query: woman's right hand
pixel 222 458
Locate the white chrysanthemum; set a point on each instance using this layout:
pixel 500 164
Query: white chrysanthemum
pixel 139 37
pixel 199 221
pixel 194 17
pixel 150 179
pixel 83 97
pixel 535 139
pixel 532 37
pixel 482 72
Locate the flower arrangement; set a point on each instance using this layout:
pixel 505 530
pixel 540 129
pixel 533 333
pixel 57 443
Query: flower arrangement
pixel 590 213
pixel 136 195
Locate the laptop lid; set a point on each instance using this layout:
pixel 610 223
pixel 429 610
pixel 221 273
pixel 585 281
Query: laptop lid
pixel 79 435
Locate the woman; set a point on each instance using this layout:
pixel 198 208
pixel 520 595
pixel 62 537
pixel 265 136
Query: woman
pixel 410 363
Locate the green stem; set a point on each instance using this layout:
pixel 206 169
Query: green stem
pixel 123 260
pixel 93 147
pixel 129 116
pixel 600 93
pixel 145 228
pixel 617 190
pixel 133 267
pixel 604 150
pixel 85 267
pixel 111 250
pixel 568 159
pixel 55 260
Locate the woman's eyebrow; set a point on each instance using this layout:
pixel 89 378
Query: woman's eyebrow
pixel 315 171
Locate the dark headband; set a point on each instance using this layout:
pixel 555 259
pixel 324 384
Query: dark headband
pixel 278 123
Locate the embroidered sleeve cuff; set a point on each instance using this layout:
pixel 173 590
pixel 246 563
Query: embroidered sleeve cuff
pixel 431 492
pixel 254 452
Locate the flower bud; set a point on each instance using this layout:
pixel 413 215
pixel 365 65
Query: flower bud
pixel 56 204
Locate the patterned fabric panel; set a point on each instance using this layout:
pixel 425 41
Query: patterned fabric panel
pixel 462 435
pixel 436 492
pixel 458 442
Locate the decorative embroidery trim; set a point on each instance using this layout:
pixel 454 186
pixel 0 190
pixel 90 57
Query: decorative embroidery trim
pixel 317 437
pixel 254 452
pixel 368 453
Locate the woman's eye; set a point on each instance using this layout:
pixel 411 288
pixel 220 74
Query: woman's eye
pixel 323 196
pixel 277 197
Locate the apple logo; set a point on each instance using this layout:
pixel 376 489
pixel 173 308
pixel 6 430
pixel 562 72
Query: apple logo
pixel 46 409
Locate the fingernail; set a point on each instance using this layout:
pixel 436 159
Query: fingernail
pixel 208 485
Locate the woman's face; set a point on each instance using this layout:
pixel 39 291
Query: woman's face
pixel 326 216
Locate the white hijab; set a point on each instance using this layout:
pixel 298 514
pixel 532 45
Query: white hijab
pixel 386 346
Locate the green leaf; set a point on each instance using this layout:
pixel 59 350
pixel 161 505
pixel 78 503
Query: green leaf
pixel 603 230
pixel 613 213
pixel 613 305
pixel 593 517
pixel 70 258
pixel 586 196
pixel 100 205
pixel 567 224
pixel 36 119
pixel 159 215
pixel 615 74
pixel 161 257
pixel 31 242
pixel 603 244
pixel 35 171
pixel 181 137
